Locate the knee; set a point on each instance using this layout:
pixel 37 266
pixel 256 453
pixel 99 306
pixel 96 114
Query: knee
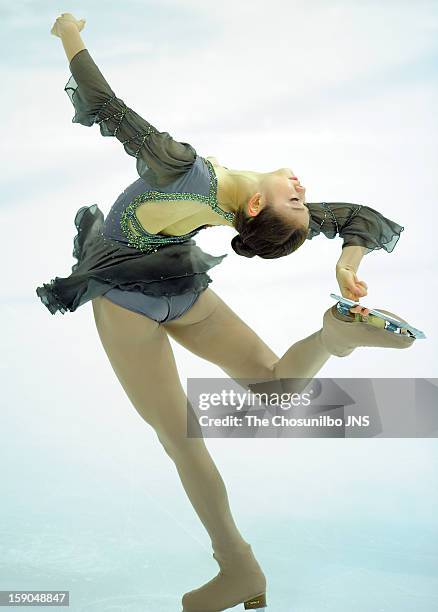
pixel 168 446
pixel 180 447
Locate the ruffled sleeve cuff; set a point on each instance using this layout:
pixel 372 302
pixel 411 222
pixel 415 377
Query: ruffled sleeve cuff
pixel 357 224
pixel 87 89
pixel 372 230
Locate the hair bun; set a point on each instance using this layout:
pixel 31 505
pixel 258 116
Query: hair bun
pixel 241 248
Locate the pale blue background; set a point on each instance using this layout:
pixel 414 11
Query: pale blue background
pixel 345 93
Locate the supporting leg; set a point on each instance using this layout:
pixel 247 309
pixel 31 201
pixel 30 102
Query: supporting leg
pixel 141 356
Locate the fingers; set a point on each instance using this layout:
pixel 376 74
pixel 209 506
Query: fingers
pixel 361 310
pixel 54 29
pixel 360 289
pixel 354 287
pixel 63 19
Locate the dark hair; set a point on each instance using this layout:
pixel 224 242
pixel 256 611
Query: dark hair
pixel 267 235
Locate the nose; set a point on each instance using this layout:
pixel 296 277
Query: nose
pixel 299 189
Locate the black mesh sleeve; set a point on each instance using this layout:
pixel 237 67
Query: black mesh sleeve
pixel 357 224
pixel 160 158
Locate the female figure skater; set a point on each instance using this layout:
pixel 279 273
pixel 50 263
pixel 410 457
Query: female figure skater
pixel 147 279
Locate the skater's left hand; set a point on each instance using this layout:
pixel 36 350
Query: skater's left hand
pixel 351 287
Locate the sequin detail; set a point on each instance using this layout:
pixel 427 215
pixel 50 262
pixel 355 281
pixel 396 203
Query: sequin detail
pixel 119 115
pixel 146 242
pixel 326 208
pixel 353 214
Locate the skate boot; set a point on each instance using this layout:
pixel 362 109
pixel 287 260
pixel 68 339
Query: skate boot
pixel 240 580
pixel 341 333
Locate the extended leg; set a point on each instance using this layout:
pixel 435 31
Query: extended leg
pixel 212 330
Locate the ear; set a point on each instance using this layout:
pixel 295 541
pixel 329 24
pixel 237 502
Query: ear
pixel 254 206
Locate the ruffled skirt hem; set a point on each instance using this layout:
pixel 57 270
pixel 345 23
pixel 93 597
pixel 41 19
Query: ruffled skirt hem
pixel 104 264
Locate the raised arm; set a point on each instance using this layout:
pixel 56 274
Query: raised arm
pixel 160 158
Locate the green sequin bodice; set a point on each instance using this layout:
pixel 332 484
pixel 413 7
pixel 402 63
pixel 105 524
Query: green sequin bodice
pixel 140 239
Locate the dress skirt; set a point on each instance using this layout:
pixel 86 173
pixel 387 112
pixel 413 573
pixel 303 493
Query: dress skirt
pixel 104 264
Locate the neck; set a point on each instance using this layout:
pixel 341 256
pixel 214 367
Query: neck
pixel 237 187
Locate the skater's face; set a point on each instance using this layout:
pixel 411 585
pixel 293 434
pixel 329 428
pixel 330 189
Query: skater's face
pixel 282 190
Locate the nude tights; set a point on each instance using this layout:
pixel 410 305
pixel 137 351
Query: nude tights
pixel 142 358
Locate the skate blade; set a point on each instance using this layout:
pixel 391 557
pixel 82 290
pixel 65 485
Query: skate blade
pixel 391 324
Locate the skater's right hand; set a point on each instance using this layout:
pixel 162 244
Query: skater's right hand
pixel 352 288
pixel 64 22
